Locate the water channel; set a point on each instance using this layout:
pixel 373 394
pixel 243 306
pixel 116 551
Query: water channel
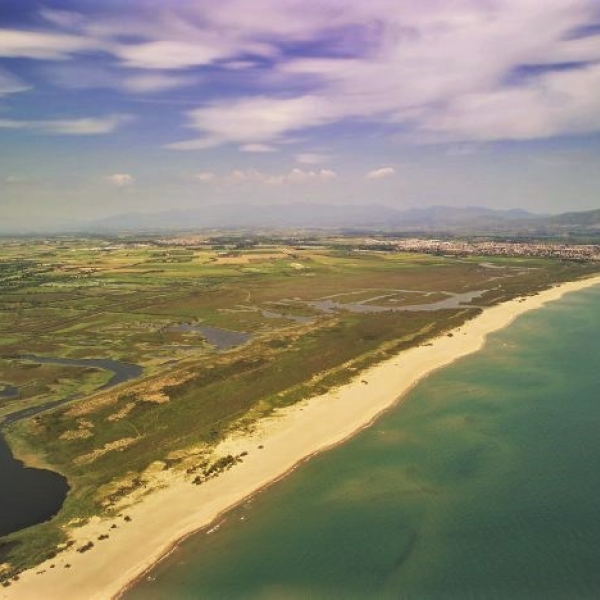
pixel 29 496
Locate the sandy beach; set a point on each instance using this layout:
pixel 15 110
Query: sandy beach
pixel 280 443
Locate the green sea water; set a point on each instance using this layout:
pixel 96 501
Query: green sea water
pixel 484 483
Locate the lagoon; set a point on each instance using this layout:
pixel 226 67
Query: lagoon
pixel 27 496
pixel 30 496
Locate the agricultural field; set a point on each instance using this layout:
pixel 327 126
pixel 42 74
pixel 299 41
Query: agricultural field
pixel 205 337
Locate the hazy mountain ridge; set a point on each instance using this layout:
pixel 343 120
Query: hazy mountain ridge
pixel 314 216
pixel 589 219
pixel 471 220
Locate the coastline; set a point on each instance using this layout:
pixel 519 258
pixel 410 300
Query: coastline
pixel 165 517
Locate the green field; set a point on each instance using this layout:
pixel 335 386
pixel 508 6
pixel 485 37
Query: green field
pixel 121 299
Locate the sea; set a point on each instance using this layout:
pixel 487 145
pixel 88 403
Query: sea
pixel 483 483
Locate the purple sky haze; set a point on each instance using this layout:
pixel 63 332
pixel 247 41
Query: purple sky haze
pixel 109 106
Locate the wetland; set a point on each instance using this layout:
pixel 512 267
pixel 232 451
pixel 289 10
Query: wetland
pixel 198 340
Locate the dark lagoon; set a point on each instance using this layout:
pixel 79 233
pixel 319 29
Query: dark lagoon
pixel 483 484
pixel 221 339
pixel 9 392
pixel 29 496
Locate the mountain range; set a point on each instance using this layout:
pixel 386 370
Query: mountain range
pixel 439 219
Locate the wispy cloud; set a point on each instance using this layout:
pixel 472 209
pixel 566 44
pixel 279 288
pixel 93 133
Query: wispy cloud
pixel 312 158
pixel 294 176
pixel 204 176
pixel 433 67
pixel 165 54
pixel 381 173
pixel 63 18
pixel 71 75
pixel 420 68
pixel 9 84
pixel 15 43
pixel 257 148
pixel 355 86
pixel 86 126
pixel 120 179
pixel 155 82
pixel 559 102
pixel 254 118
pixel 83 126
pixel 203 143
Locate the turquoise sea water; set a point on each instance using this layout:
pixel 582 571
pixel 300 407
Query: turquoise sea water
pixel 483 483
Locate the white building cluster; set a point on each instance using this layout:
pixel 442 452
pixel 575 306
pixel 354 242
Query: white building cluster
pixel 583 252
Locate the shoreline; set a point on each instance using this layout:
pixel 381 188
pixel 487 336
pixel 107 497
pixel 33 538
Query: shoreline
pixel 164 518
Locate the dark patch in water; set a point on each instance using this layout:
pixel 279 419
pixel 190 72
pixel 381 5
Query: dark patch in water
pixel 453 301
pixel 221 339
pixel 122 372
pixel 408 549
pixel 9 392
pixel 27 496
pixel 30 496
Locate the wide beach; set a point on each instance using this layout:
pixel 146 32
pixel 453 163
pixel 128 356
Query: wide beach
pixel 305 429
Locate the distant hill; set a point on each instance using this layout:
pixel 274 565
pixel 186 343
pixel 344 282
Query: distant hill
pixel 586 220
pixel 316 216
pixel 440 217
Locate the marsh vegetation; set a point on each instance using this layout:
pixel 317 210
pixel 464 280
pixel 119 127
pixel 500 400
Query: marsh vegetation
pixel 148 302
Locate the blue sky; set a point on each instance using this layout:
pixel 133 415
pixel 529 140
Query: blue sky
pixel 111 106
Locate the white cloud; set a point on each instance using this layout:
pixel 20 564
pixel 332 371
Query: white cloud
pixel 155 82
pixel 165 54
pixel 445 70
pixel 429 66
pixel 559 102
pixel 62 18
pixel 257 148
pixel 203 143
pixel 326 174
pixel 178 36
pixel 160 40
pixel 74 76
pixel 12 124
pixel 204 176
pixel 312 158
pixel 299 175
pixel 253 118
pixel 294 176
pixel 381 173
pixel 16 43
pixel 84 126
pixel 121 179
pixel 239 175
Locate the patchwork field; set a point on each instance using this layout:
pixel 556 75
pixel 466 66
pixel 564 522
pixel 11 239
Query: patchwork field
pixel 313 313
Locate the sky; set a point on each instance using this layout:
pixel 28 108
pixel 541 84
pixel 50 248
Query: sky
pixel 112 106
